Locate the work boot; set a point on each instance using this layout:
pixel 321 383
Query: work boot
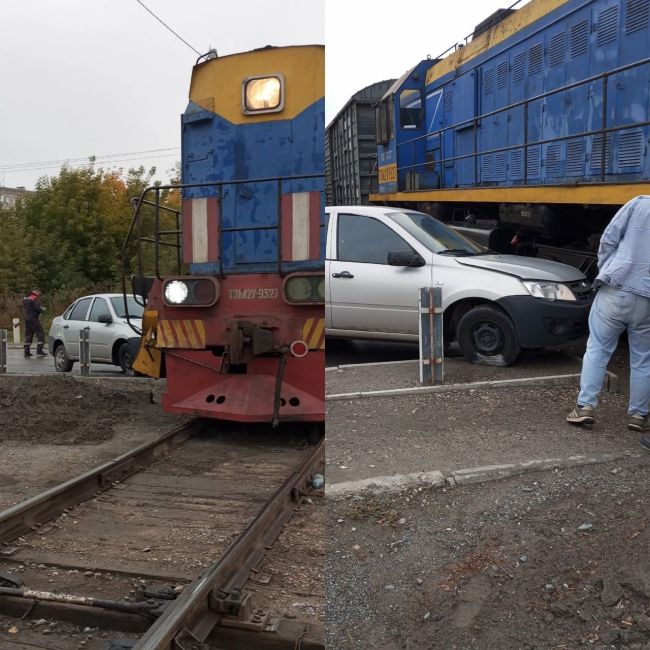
pixel 581 415
pixel 39 351
pixel 638 423
pixel 27 352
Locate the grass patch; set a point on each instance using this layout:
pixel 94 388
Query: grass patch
pixel 374 507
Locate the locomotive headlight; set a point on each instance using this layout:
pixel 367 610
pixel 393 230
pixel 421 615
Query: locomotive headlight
pixel 304 289
pixel 298 289
pixel 176 292
pixel 263 94
pixel 191 292
pixel 549 290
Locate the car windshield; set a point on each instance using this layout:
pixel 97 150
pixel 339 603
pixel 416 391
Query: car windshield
pixel 437 237
pixel 135 310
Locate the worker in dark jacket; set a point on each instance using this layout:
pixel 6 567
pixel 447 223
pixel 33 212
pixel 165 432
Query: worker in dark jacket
pixel 32 309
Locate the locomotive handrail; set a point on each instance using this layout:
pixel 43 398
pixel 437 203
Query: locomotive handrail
pixel 475 121
pixel 237 181
pixel 455 46
pixel 136 225
pixel 523 102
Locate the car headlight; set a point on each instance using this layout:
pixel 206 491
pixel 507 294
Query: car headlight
pixel 305 289
pixel 549 290
pixel 191 292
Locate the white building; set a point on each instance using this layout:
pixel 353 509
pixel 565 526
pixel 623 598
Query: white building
pixel 9 195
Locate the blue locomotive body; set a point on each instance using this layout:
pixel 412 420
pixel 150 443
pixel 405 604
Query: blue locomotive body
pixel 247 162
pixel 548 107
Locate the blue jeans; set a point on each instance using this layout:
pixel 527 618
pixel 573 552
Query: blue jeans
pixel 613 312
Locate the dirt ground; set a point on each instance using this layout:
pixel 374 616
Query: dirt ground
pixel 67 410
pixel 547 560
pixel 54 427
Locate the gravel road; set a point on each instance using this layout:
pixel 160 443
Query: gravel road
pixel 554 559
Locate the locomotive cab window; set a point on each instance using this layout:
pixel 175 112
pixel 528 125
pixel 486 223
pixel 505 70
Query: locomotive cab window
pixel 410 109
pixel 263 94
pixel 383 121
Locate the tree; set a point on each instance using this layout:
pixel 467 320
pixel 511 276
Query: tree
pixel 74 226
pixel 16 271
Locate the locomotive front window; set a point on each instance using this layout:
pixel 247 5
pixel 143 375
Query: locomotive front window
pixel 263 94
pixel 410 109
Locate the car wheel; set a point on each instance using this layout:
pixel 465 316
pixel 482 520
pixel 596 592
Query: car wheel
pixel 486 335
pixel 125 358
pixel 61 361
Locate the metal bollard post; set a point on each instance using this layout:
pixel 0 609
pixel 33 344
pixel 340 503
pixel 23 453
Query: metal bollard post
pixel 84 351
pixel 16 324
pixel 431 343
pixel 3 352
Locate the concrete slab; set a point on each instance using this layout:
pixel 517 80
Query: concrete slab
pixel 547 380
pixel 405 374
pixel 386 484
pixel 451 431
pixel 496 472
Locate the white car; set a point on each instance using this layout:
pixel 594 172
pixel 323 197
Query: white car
pixel 112 340
pixel 494 305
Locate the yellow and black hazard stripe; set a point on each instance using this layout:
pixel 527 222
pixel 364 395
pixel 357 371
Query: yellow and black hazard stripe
pixel 313 333
pixel 184 334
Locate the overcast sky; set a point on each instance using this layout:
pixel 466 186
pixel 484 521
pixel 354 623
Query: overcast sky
pixel 99 77
pixel 104 78
pixel 373 41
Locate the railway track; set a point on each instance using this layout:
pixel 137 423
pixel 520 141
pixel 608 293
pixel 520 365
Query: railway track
pixel 162 548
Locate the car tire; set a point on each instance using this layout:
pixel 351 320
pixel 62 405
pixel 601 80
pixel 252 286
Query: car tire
pixel 126 358
pixel 487 336
pixel 62 363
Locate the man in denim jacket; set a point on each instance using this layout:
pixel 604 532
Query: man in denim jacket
pixel 622 302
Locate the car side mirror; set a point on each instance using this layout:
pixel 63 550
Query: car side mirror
pixel 105 318
pixel 406 257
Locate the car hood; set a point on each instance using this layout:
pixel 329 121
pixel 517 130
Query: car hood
pixel 526 268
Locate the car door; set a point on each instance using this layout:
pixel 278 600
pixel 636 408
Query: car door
pixel 366 293
pixel 101 334
pixel 72 326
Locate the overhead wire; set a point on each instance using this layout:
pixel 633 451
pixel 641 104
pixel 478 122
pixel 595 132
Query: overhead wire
pixel 109 158
pixel 162 22
pixel 105 158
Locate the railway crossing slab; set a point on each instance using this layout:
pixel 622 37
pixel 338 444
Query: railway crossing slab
pixel 483 422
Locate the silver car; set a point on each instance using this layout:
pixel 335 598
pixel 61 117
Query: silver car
pixel 494 305
pixel 112 340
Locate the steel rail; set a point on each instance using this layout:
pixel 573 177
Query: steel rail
pixel 37 510
pixel 196 612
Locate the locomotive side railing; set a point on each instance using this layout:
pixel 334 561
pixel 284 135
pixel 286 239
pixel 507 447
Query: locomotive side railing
pixel 159 235
pixel 475 123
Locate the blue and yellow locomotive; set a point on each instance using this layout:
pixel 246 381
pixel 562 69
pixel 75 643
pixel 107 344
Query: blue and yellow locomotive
pixel 539 123
pixel 238 330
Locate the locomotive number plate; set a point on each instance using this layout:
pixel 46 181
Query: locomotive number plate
pixel 388 173
pixel 253 294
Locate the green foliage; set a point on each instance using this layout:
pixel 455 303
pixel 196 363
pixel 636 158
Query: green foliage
pixel 66 237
